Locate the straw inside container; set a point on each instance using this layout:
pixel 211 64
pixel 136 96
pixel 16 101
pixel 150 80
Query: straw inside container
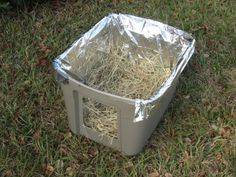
pixel 102 118
pixel 120 73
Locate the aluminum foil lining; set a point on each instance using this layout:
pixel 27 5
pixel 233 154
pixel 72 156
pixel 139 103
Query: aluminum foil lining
pixel 136 35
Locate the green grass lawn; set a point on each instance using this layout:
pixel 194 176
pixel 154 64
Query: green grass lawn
pixel 197 137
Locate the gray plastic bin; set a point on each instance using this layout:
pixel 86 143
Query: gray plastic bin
pixel 136 118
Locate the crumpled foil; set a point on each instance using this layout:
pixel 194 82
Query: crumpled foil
pixel 136 35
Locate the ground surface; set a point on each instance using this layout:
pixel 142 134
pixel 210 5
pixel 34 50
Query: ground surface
pixel 198 134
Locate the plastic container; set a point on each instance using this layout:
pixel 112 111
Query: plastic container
pixel 136 119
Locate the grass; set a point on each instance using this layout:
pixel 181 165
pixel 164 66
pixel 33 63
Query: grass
pixel 197 136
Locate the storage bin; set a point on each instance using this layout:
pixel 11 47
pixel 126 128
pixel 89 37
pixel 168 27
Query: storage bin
pixel 136 118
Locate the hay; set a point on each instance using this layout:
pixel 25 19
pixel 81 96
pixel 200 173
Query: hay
pixel 117 73
pixel 100 117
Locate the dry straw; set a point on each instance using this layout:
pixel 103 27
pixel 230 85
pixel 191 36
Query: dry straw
pixel 120 74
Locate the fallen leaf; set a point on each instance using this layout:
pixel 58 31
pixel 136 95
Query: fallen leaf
pixel 197 28
pixel 219 156
pixel 187 140
pixel 186 155
pixel 193 11
pixel 115 1
pixel 205 101
pixel 47 168
pixel 224 132
pixel 154 174
pixel 164 153
pixel 63 149
pixel 214 127
pixel 193 110
pixel 69 171
pixel 128 164
pixel 43 62
pixel 46 52
pixel 38 25
pixel 42 47
pixel 68 135
pixel 202 174
pixel 206 55
pixel 168 175
pixel 187 97
pixel 21 140
pixel 85 156
pixel 74 164
pixel 6 173
pixel 92 152
pixel 27 82
pixel 36 135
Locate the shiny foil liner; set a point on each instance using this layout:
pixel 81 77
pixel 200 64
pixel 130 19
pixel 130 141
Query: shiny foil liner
pixel 136 35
